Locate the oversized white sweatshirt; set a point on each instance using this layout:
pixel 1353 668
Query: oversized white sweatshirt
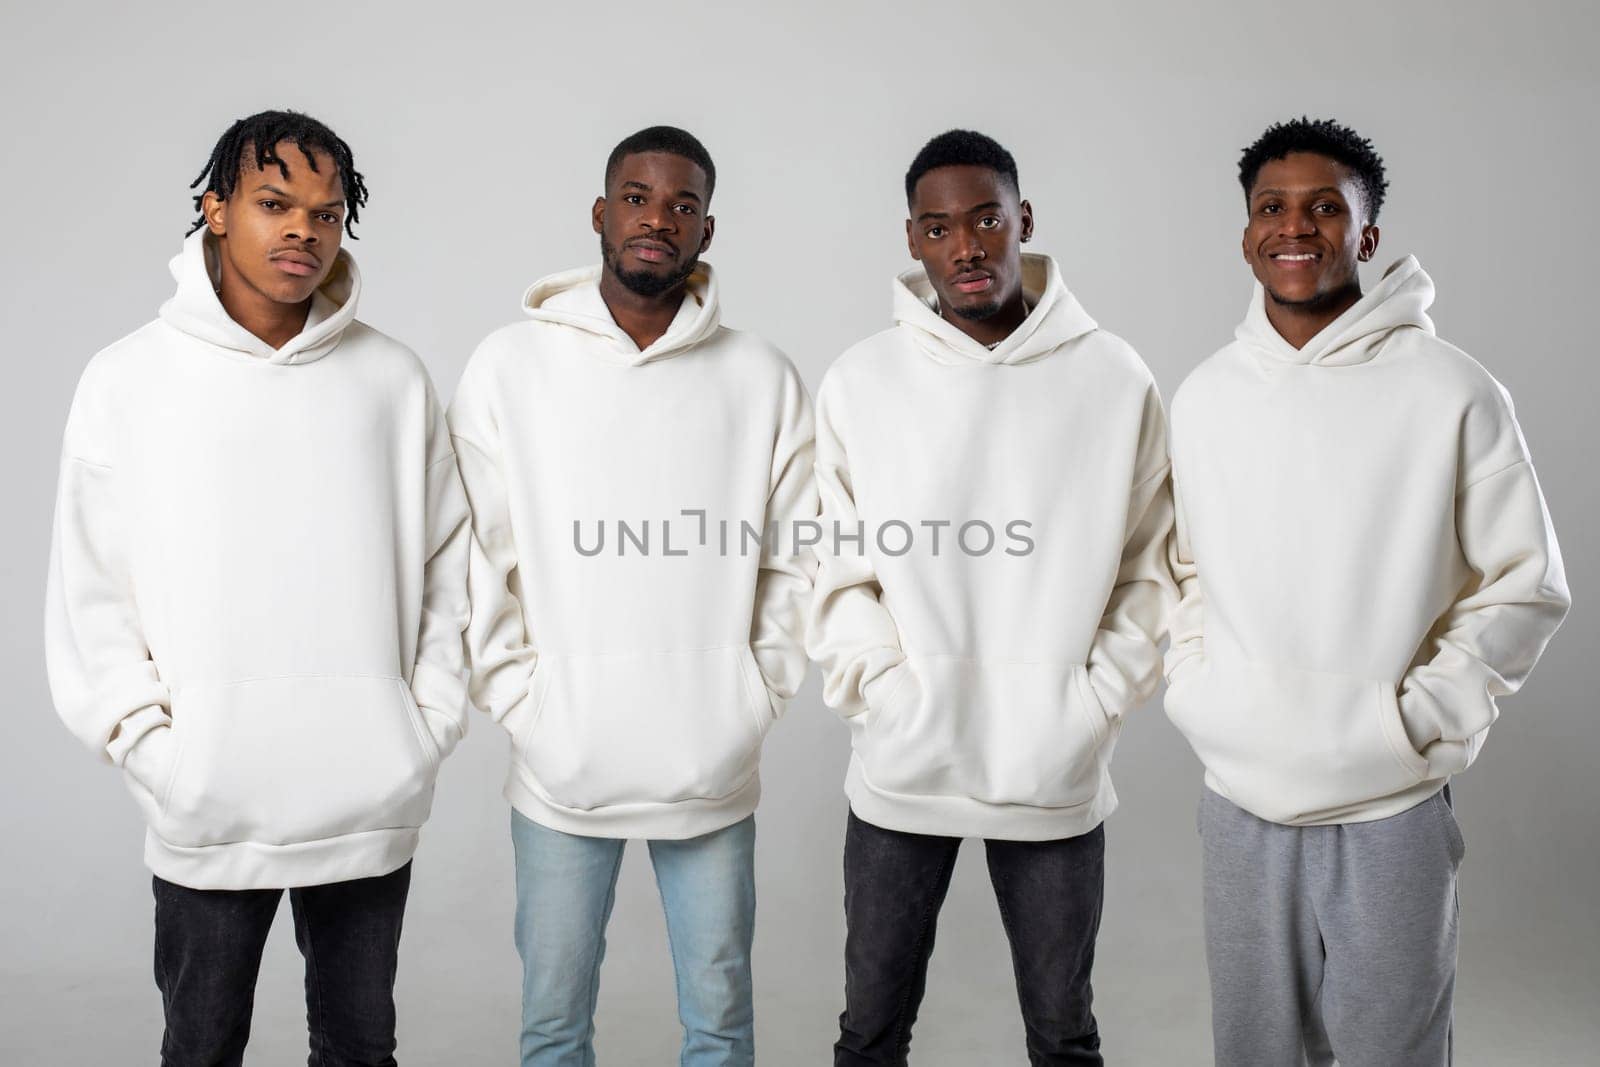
pixel 1365 561
pixel 632 628
pixel 257 587
pixel 998 611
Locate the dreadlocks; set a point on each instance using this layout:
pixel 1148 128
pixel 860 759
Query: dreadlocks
pixel 262 133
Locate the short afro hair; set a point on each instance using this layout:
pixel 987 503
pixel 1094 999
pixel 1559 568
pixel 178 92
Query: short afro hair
pixel 1323 137
pixel 259 135
pixel 668 139
pixel 961 148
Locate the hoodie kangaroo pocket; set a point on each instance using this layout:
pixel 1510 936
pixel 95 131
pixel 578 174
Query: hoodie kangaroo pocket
pixel 649 728
pixel 1291 745
pixel 287 760
pixel 998 732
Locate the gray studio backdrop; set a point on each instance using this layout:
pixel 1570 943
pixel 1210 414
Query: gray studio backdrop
pixel 483 131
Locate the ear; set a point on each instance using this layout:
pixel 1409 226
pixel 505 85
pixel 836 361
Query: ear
pixel 597 214
pixel 1369 243
pixel 215 210
pixel 1244 247
pixel 911 244
pixel 1027 221
pixel 711 227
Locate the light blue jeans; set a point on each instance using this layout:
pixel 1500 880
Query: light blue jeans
pixel 565 888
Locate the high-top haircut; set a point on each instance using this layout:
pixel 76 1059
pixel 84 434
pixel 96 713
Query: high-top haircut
pixel 1323 137
pixel 668 139
pixel 261 133
pixel 962 148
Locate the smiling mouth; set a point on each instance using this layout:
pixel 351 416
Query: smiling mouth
pixel 1295 257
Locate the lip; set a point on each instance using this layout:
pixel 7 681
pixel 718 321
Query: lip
pixel 651 251
pixel 299 264
pixel 972 281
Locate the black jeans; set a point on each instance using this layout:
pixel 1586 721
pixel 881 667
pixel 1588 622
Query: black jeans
pixel 1049 893
pixel 208 953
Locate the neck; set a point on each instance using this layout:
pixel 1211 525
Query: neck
pixel 996 327
pixel 1299 323
pixel 274 323
pixel 643 318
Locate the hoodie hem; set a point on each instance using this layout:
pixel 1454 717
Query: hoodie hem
pixel 1361 811
pixel 665 821
pixel 255 865
pixel 956 816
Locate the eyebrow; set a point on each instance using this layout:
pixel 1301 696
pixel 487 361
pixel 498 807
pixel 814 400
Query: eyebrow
pixel 687 194
pixel 1311 192
pixel 989 205
pixel 269 188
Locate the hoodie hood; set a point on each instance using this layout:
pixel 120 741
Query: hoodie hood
pixel 572 298
pixel 1056 318
pixel 195 309
pixel 1400 300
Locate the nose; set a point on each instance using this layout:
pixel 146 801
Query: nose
pixel 297 227
pixel 656 217
pixel 968 247
pixel 1296 222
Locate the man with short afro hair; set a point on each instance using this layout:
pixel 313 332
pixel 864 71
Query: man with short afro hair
pixel 1366 565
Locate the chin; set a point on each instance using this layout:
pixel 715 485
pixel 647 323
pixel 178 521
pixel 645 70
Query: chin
pixel 287 291
pixel 976 310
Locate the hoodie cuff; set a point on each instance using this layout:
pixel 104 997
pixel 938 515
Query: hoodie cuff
pixel 131 730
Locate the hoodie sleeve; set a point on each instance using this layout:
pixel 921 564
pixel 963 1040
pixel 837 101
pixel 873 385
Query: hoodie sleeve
pixel 783 586
pixel 1125 658
pixel 849 633
pixel 439 677
pixel 1485 645
pixel 105 685
pixel 1188 617
pixel 500 655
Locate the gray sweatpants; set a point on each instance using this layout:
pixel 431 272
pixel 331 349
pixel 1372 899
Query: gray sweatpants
pixel 1331 943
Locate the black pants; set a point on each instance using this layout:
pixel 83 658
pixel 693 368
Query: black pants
pixel 208 953
pixel 1049 894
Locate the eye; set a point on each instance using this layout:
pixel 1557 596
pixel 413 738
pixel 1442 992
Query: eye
pixel 687 209
pixel 270 205
pixel 329 217
pixel 934 231
pixel 1327 208
pixel 633 198
pixel 989 222
pixel 1270 209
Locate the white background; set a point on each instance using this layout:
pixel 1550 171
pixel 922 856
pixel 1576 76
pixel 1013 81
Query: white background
pixel 483 129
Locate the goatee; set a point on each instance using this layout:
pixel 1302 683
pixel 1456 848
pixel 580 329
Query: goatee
pixel 643 282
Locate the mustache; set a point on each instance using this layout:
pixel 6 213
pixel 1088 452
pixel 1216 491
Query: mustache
pixel 651 238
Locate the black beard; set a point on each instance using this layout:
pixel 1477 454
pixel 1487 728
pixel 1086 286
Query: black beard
pixel 643 282
pixel 1322 301
pixel 977 312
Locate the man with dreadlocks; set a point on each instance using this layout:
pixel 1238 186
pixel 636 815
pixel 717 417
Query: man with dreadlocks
pixel 1366 564
pixel 256 599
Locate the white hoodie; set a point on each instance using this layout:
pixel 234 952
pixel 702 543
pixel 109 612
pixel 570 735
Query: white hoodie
pixel 637 683
pixel 985 690
pixel 1365 561
pixel 257 579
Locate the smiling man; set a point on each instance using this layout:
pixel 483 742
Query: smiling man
pixel 1366 564
pixel 256 600
pixel 984 690
pixel 636 682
